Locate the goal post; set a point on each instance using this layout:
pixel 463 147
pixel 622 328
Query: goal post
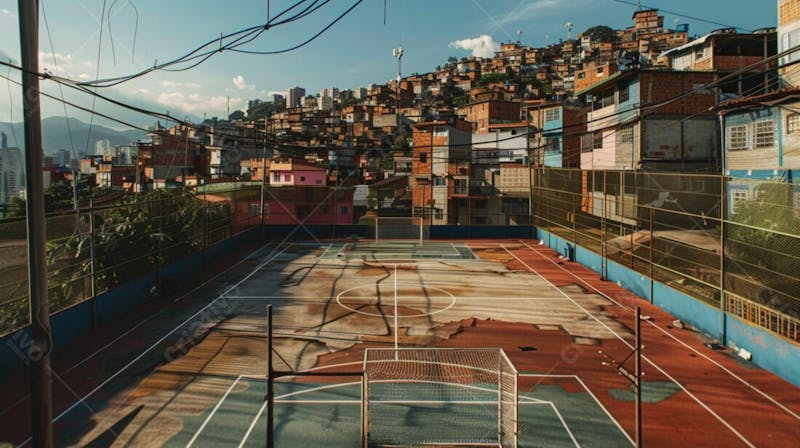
pixel 388 228
pixel 439 396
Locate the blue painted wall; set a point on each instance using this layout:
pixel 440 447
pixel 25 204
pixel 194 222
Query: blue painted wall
pixel 770 351
pixel 76 321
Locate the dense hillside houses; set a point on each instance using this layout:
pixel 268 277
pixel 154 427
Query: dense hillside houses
pixel 582 103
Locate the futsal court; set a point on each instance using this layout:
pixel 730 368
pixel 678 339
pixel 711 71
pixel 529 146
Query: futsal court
pixel 193 372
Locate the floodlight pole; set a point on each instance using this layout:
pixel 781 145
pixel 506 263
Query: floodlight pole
pixel 634 378
pixel 38 355
pixel 637 375
pixel 270 385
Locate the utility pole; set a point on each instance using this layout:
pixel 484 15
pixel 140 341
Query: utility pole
pixel 263 178
pixel 398 53
pixel 39 351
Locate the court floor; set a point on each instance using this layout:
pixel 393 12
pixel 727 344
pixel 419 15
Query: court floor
pixel 193 373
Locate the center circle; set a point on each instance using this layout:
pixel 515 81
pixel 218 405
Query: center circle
pixel 444 301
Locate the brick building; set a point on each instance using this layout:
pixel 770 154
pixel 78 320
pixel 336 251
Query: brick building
pixel 485 113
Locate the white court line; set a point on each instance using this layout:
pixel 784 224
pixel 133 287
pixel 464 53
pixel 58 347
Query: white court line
pixel 211 415
pixel 566 427
pixel 253 424
pixel 325 251
pixel 326 299
pixel 589 391
pixel 629 345
pixel 396 328
pixel 701 354
pixel 163 338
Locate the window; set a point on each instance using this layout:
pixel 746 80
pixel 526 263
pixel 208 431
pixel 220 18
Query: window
pixel 626 134
pixel 624 93
pixel 276 177
pixel 318 181
pixel 738 195
pixel 765 134
pixel 551 144
pixel 439 181
pixel 438 213
pixel 793 123
pixel 599 71
pixel 343 210
pixel 423 157
pixel 737 138
pixel 302 178
pixel 597 140
pixel 552 115
pixel 287 177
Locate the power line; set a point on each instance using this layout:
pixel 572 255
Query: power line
pixel 60 87
pixel 97 74
pixel 685 16
pixel 227 42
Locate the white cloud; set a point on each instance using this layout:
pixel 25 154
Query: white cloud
pixel 482 46
pixel 8 13
pixel 241 84
pixel 175 84
pixel 63 65
pixel 142 91
pixel 538 9
pixel 197 104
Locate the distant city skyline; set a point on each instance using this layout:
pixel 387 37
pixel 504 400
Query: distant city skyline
pixel 355 52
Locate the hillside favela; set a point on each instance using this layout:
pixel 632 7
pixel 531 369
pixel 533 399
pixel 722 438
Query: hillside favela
pixel 462 223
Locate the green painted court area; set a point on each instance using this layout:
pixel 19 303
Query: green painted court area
pixel 397 250
pixel 329 414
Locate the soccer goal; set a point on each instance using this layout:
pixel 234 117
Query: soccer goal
pixel 399 228
pixel 439 397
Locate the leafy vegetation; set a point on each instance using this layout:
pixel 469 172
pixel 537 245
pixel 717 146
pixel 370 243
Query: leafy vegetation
pixel 764 248
pixel 601 33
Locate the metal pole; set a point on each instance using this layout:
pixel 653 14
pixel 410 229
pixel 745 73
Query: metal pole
pixel 263 178
pixel 92 265
pixel 638 375
pixel 652 270
pixel 270 385
pixel 39 351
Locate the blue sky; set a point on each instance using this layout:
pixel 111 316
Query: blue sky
pixel 357 51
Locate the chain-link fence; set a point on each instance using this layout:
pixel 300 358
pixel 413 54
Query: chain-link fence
pixel 97 248
pixel 708 236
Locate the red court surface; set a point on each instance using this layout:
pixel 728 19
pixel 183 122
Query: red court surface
pixel 123 382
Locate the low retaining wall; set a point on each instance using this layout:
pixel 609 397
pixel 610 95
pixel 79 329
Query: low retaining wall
pixel 770 351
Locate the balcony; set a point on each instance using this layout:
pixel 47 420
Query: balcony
pixel 475 188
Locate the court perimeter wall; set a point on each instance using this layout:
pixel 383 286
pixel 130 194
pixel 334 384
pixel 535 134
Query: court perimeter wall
pixel 76 321
pixel 772 352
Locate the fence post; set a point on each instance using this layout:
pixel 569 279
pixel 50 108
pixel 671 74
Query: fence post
pixel 92 266
pixel 722 215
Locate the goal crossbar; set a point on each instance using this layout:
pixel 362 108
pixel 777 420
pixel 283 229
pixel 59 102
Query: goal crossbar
pixel 449 397
pixel 389 228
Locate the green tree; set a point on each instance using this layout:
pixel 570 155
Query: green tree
pixel 601 33
pixel 492 78
pixel 236 115
pixel 762 242
pixel 141 233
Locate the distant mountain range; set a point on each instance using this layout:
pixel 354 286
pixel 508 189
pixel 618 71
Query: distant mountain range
pixel 56 135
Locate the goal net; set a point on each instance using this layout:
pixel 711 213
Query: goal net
pixel 439 397
pixel 399 228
